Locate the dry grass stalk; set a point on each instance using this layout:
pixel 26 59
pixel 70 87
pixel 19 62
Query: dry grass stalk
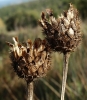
pixel 65 71
pixel 30 91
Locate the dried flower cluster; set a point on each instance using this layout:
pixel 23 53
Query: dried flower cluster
pixel 63 34
pixel 31 60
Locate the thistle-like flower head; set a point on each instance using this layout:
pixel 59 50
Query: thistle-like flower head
pixel 31 60
pixel 63 34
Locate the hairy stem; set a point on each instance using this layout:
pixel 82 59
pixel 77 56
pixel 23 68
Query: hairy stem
pixel 65 71
pixel 30 91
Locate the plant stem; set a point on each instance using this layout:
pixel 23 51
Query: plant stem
pixel 30 91
pixel 65 71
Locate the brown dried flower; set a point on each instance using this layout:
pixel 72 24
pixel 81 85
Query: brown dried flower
pixel 31 60
pixel 63 34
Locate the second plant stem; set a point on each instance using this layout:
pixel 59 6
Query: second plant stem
pixel 65 71
pixel 30 91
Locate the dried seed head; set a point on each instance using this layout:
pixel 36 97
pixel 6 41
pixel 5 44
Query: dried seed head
pixel 63 34
pixel 32 60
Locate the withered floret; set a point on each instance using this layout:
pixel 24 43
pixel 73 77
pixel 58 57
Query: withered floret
pixel 31 60
pixel 63 34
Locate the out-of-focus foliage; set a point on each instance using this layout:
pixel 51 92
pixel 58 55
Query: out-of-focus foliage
pixel 22 19
pixel 28 14
pixel 2 25
pixel 82 6
pixel 39 5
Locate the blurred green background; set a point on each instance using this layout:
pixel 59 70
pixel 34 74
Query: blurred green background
pixel 22 21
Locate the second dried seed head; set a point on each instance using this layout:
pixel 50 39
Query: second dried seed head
pixel 63 34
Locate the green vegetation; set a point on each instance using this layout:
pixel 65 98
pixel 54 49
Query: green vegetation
pixel 27 14
pixel 39 5
pixel 2 25
pixel 22 21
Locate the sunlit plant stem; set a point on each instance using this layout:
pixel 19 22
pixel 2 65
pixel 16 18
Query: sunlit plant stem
pixel 30 91
pixel 65 71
